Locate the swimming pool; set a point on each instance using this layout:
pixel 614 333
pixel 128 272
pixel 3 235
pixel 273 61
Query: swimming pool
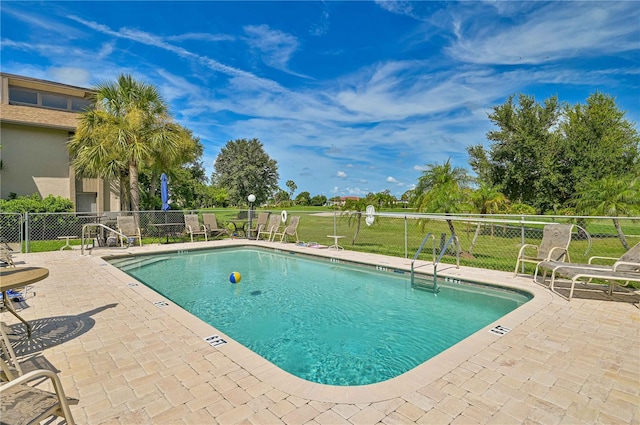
pixel 324 322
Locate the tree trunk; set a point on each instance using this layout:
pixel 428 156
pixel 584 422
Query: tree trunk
pixel 153 185
pixel 621 236
pixel 135 190
pixel 475 238
pixel 451 228
pixel 353 242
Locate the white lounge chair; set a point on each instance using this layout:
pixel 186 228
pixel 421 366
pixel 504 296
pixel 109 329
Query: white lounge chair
pixel 211 225
pixel 260 224
pixel 553 247
pixel 127 226
pixel 290 230
pixel 193 226
pixel 26 404
pixel 272 227
pixel 625 269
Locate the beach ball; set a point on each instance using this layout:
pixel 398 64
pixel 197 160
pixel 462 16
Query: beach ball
pixel 235 277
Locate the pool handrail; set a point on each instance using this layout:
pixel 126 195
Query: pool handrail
pixel 104 227
pixel 452 239
pixel 424 241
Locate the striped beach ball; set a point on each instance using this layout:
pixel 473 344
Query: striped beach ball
pixel 235 277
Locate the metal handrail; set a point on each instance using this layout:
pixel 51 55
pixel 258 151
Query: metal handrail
pixel 424 241
pixel 451 239
pixel 104 227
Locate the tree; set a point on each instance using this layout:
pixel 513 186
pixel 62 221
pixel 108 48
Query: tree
pixel 243 168
pixel 353 209
pixel 303 198
pixel 486 199
pixel 440 189
pixel 291 185
pixel 280 197
pixel 598 142
pixel 523 151
pixel 540 154
pixel 318 200
pixel 382 199
pixel 613 196
pixel 129 129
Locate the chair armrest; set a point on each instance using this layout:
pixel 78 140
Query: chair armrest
pixel 627 263
pixel 57 386
pixel 527 245
pixel 596 257
pixel 552 250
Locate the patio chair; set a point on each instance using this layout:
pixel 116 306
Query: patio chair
pixel 193 226
pixel 211 225
pixel 290 230
pixel 127 226
pixel 625 268
pixel 25 404
pixel 553 247
pixel 260 224
pixel 6 257
pixel 272 227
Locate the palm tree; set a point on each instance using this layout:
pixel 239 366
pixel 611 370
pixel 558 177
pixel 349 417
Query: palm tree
pixel 353 209
pixel 487 199
pixel 441 189
pixel 613 196
pixel 128 129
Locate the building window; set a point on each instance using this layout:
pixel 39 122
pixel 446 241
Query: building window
pixel 54 101
pixel 19 96
pixel 79 105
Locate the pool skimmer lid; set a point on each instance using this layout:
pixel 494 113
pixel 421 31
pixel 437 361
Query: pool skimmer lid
pixel 499 330
pixel 215 340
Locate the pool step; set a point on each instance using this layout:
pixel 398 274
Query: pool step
pixel 425 285
pixel 134 263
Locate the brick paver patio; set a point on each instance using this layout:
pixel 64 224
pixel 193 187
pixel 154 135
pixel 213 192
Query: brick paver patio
pixel 131 362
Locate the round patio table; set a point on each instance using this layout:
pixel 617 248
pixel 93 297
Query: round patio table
pixel 16 277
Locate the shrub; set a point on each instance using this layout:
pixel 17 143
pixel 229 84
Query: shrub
pixel 35 204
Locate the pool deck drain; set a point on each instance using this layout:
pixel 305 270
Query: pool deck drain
pixel 562 362
pixel 500 330
pixel 215 340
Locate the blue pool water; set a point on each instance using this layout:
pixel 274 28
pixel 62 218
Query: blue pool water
pixel 324 322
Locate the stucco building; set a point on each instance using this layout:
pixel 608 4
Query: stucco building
pixel 37 118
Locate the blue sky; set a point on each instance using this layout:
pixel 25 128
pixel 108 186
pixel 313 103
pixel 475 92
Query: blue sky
pixel 348 97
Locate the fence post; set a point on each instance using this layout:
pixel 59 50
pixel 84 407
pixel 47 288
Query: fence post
pixel 406 238
pixel 522 239
pixel 26 232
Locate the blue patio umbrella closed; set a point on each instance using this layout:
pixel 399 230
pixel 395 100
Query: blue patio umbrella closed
pixel 164 191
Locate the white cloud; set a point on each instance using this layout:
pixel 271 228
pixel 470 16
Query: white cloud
pixel 73 76
pixel 276 46
pixel 391 180
pixel 341 174
pixel 549 32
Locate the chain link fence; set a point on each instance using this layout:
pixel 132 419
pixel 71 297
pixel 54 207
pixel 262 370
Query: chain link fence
pixel 490 242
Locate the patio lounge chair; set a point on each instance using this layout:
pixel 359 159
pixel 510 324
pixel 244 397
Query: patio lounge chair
pixel 26 404
pixel 193 226
pixel 272 227
pixel 553 247
pixel 290 230
pixel 211 225
pixel 261 223
pixel 127 226
pixel 6 257
pixel 625 269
